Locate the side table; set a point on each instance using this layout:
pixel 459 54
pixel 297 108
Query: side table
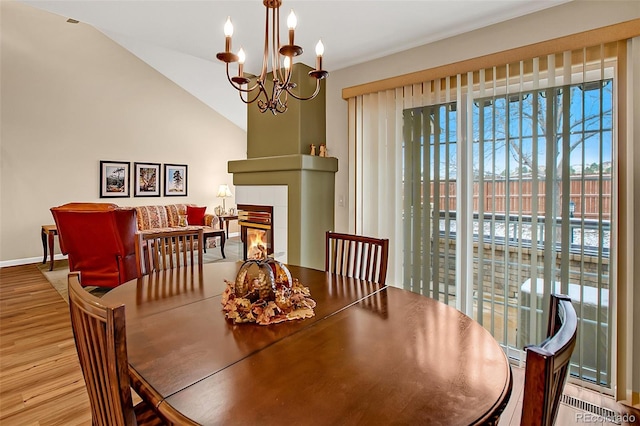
pixel 215 233
pixel 47 233
pixel 225 219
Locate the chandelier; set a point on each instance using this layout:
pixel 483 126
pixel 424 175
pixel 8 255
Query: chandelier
pixel 281 64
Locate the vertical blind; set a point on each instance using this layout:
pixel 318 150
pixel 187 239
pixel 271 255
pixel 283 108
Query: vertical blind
pixel 495 188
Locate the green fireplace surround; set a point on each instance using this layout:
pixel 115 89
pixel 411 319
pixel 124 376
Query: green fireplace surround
pixel 277 154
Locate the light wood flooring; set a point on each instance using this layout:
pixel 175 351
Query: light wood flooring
pixel 40 378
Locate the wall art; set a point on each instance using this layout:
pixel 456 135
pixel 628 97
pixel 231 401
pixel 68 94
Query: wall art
pixel 114 179
pixel 175 180
pixel 147 180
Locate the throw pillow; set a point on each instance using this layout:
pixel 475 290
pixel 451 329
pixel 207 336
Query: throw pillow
pixel 195 215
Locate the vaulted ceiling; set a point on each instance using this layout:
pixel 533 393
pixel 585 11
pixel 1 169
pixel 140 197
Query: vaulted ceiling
pixel 180 38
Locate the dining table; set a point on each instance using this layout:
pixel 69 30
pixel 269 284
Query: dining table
pixel 371 354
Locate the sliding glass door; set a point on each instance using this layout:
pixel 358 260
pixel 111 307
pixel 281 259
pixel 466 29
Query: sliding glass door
pixel 536 203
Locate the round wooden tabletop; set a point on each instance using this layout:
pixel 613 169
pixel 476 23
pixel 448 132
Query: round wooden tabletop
pixel 370 355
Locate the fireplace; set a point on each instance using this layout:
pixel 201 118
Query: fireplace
pixel 256 230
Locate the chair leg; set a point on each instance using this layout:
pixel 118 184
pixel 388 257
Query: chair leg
pixel 222 240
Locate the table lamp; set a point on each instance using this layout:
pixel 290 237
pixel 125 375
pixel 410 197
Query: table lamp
pixel 224 192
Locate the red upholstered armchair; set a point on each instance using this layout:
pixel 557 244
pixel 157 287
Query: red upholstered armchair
pixel 99 239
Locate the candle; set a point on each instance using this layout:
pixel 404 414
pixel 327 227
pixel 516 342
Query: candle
pixel 228 32
pixel 292 21
pixel 241 59
pixel 319 53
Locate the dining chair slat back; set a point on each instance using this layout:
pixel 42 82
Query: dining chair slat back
pixel 357 256
pixel 547 365
pixel 162 250
pixel 100 337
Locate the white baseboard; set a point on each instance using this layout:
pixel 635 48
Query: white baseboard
pixel 28 260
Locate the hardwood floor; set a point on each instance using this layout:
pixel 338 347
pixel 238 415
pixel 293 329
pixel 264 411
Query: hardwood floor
pixel 40 378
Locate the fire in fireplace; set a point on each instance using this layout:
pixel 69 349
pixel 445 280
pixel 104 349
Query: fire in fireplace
pixel 256 230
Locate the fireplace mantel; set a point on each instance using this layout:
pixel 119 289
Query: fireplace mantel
pixel 284 163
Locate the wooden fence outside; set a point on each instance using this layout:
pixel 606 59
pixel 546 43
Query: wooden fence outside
pixel 589 194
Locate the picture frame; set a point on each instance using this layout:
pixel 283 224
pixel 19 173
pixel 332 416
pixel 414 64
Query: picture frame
pixel 175 180
pixel 115 179
pixel 147 179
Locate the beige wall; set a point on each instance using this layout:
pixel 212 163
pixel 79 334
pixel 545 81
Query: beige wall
pixel 71 97
pixel 566 19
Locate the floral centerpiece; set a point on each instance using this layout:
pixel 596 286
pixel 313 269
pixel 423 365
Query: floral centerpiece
pixel 265 293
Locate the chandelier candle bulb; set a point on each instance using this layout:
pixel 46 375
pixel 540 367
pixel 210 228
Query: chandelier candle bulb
pixel 241 59
pixel 228 32
pixel 227 56
pixel 319 53
pixel 292 21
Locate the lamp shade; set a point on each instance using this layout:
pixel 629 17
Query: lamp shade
pixel 224 191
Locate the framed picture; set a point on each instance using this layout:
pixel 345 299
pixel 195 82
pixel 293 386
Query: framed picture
pixel 175 180
pixel 114 179
pixel 147 180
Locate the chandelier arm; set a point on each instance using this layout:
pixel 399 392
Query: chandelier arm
pixel 289 73
pixel 268 102
pixel 302 98
pixel 247 101
pixel 239 87
pixel 262 104
pixel 276 91
pixel 265 51
pixel 278 110
pixel 275 45
pixel 283 106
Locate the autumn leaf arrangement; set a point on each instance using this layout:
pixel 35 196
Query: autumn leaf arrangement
pixel 265 298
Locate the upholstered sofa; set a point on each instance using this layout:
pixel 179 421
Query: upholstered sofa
pixel 162 217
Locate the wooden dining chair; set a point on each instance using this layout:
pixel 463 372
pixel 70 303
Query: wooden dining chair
pixel 100 336
pixel 547 365
pixel 357 256
pixel 161 250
